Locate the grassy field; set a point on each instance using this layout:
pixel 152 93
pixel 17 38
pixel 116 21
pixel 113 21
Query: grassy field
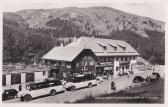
pixel 149 93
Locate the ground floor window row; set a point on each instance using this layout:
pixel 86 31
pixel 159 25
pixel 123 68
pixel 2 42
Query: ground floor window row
pixel 17 78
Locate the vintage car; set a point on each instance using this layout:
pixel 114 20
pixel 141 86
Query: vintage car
pixel 34 90
pixel 9 94
pixel 81 81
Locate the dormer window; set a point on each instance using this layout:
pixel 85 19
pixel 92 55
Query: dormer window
pixel 102 45
pixel 113 45
pixel 122 46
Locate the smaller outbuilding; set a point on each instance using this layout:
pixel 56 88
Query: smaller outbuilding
pixel 66 61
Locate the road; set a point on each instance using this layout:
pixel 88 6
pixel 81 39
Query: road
pixel 103 88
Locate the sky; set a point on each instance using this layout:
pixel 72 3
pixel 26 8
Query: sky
pixel 153 8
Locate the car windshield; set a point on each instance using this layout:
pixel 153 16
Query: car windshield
pixel 32 86
pixel 82 78
pixel 76 79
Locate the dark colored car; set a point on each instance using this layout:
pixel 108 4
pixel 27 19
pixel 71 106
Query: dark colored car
pixel 155 76
pixel 138 79
pixel 9 94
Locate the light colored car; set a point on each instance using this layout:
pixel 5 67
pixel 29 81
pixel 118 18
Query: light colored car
pixel 39 89
pixel 81 82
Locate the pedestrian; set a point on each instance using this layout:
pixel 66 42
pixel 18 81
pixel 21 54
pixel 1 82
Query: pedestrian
pixel 112 73
pixel 113 86
pixel 20 87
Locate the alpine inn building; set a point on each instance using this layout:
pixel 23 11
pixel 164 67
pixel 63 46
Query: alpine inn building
pixel 114 56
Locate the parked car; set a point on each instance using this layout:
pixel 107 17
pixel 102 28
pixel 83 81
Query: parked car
pixel 34 90
pixel 81 82
pixel 9 94
pixel 155 76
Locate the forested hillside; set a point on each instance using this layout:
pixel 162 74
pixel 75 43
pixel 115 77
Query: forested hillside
pixel 29 34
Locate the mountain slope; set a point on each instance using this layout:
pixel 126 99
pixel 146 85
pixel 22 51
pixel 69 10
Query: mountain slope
pixel 102 20
pixel 14 20
pixel 29 34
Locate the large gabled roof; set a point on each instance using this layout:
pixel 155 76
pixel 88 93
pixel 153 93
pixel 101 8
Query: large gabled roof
pixel 105 47
pixel 63 53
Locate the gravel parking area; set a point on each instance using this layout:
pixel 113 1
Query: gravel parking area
pixel 103 88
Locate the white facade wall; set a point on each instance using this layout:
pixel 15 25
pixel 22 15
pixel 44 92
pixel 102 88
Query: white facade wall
pixel 116 64
pixel 23 78
pixel 8 79
pixel 39 76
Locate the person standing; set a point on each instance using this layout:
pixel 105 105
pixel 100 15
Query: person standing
pixel 20 87
pixel 113 86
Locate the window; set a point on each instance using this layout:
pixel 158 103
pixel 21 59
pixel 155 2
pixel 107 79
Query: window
pixel 64 74
pixel 107 59
pixel 34 87
pixel 117 68
pixel 104 59
pixel 122 46
pixel 126 58
pixel 15 79
pixel 3 80
pixel 68 65
pixel 134 57
pixel 101 59
pixel 59 83
pixel 118 58
pixel 102 45
pixel 86 63
pixel 91 62
pixel 29 77
pixel 111 59
pixel 83 63
pixel 127 67
pixel 113 45
pixel 59 63
pixel 121 58
pixel 77 64
pixel 44 73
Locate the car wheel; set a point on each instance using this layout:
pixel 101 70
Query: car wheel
pixel 73 88
pixel 52 92
pixel 27 98
pixel 90 85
